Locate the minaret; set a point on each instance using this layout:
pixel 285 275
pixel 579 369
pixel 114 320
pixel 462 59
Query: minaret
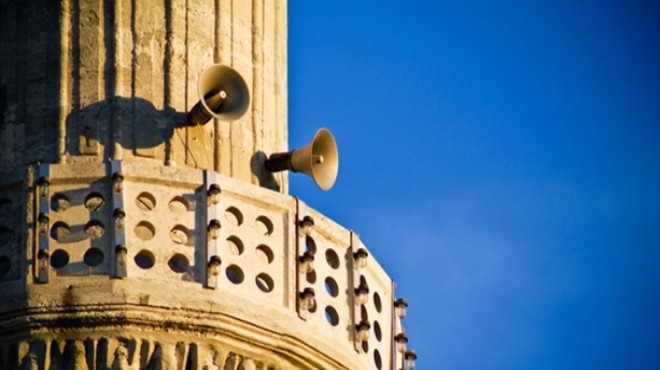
pixel 132 239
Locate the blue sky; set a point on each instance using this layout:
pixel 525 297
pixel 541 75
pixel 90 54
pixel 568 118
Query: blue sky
pixel 501 160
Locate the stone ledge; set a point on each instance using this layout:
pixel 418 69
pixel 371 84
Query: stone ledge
pixel 168 327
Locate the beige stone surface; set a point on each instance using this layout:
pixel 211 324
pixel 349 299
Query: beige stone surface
pixel 92 80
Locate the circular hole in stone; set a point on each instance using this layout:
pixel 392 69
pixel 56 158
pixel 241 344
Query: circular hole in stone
pixel 331 287
pixel 332 258
pixel 93 257
pixel 365 346
pixel 310 245
pixel 377 332
pixel 59 202
pixel 313 308
pixel 5 266
pixel 264 283
pixel 144 230
pixel 145 259
pixel 179 234
pixel 235 245
pixel 235 274
pixel 363 312
pixel 178 263
pixel 94 202
pixel 264 254
pixel 377 360
pixel 377 302
pixel 94 229
pixel 264 226
pixel 311 277
pixel 178 205
pixel 331 315
pixel 234 216
pixel 145 201
pixel 59 259
pixel 60 231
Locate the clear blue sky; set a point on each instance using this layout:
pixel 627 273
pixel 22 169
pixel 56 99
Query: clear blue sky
pixel 501 160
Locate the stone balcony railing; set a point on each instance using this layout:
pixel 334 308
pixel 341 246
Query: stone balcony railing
pixel 133 242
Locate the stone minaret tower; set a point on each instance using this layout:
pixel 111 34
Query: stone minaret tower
pixel 130 240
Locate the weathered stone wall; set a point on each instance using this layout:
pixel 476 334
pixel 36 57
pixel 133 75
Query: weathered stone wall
pixel 89 80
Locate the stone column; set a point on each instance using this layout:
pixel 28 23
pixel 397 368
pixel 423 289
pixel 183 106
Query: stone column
pixel 92 80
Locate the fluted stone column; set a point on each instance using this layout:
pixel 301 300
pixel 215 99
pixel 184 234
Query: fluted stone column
pixel 92 80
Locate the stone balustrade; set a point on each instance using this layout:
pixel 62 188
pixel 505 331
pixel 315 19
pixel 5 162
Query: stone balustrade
pixel 137 243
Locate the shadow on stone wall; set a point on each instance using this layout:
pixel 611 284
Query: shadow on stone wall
pixel 258 168
pixel 134 123
pixel 137 126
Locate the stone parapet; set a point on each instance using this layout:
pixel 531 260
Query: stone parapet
pixel 132 253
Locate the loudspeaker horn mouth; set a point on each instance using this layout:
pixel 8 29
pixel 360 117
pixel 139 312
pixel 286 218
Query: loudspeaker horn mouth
pixel 324 160
pixel 223 95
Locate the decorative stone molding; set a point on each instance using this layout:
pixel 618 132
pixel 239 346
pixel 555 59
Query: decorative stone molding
pixel 123 353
